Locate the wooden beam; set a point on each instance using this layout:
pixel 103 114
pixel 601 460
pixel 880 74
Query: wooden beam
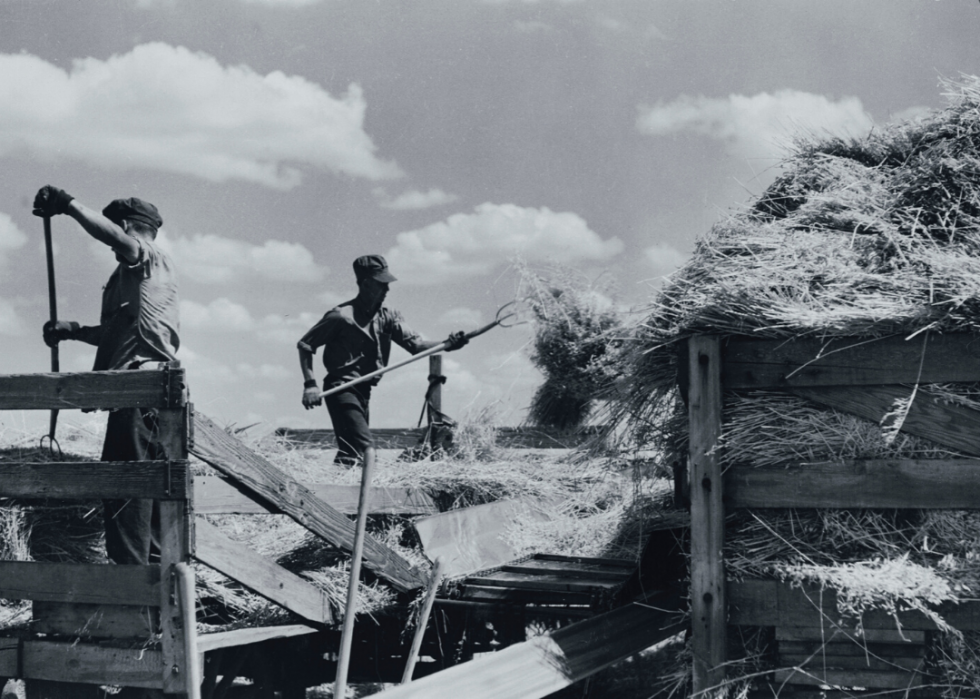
pixel 227 454
pixel 92 389
pixel 408 437
pixel 9 657
pixel 85 480
pixel 260 575
pixel 751 363
pixel 91 664
pixel 708 625
pixel 94 620
pixel 548 663
pixel 873 679
pixel 943 484
pixel 475 591
pixel 952 426
pixel 774 603
pixel 81 582
pixel 244 637
pixel 214 495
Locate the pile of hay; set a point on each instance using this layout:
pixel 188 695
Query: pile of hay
pixel 865 237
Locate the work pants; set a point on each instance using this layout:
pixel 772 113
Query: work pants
pixel 350 415
pixel 131 435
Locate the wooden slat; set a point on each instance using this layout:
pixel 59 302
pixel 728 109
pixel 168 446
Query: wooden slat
pixel 871 679
pixel 863 648
pixel 567 570
pixel 224 452
pixel 832 632
pixel 9 657
pixel 260 575
pixel 847 662
pixel 244 637
pixel 849 361
pixel 582 560
pixel 884 483
pixel 708 625
pixel 94 620
pixel 953 426
pixel 80 582
pixel 537 581
pixel 93 389
pixel 490 593
pixel 548 663
pixel 773 603
pixel 84 480
pixel 406 438
pixel 217 496
pixel 91 664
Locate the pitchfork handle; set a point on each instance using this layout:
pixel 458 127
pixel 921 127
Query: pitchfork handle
pixel 53 311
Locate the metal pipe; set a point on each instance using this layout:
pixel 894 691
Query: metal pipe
pixel 347 631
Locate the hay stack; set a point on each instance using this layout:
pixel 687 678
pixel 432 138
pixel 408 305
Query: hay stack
pixel 865 237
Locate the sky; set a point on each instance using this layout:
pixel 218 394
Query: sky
pixel 281 139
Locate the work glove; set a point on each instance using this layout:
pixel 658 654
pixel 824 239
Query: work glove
pixel 54 331
pixel 456 340
pixel 51 201
pixel 311 397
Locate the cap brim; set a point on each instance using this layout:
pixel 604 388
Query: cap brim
pixel 384 276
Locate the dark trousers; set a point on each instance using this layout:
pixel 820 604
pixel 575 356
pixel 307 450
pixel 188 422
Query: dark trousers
pixel 131 435
pixel 350 415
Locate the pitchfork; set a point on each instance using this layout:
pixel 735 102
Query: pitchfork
pixel 500 319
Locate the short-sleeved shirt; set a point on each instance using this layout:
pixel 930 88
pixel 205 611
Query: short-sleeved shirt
pixel 140 320
pixel 350 350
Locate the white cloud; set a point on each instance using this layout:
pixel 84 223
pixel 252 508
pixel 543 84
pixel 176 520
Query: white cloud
pixel 287 329
pixel 212 259
pixel 468 245
pixel 413 200
pixel 760 126
pixel 221 315
pixel 265 371
pixel 11 237
pixel 168 108
pixel 463 318
pixel 664 258
pixel 203 369
pixel 329 299
pixel 10 321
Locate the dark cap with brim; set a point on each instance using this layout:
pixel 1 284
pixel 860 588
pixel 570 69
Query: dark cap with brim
pixel 133 209
pixel 373 267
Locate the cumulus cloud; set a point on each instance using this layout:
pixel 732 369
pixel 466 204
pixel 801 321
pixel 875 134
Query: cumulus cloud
pixel 286 330
pixel 10 322
pixel 757 126
pixel 212 259
pixel 468 245
pixel 168 108
pixel 462 317
pixel 221 315
pixel 664 258
pixel 11 237
pixel 413 199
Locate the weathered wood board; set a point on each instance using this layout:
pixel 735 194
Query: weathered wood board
pixel 92 664
pixel 87 480
pixel 219 496
pixel 98 390
pixel 94 620
pixel 244 637
pixel 260 575
pixel 227 454
pixel 872 483
pixel 406 438
pixel 78 582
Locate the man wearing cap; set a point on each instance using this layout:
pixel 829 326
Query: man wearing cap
pixel 356 337
pixel 138 329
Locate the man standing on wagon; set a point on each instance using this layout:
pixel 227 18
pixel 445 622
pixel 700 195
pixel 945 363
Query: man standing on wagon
pixel 138 329
pixel 356 337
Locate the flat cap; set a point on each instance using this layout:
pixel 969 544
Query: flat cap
pixel 133 209
pixel 373 267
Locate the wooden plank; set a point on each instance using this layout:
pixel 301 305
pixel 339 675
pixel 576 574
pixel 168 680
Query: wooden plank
pixel 537 581
pixel 224 452
pixel 92 389
pixel 243 637
pixel 548 663
pixel 871 483
pixel 953 426
pixel 81 582
pixel 848 662
pixel 708 624
pixel 838 648
pixel 85 480
pixel 751 363
pixel 609 562
pixel 832 632
pixel 260 575
pixel 870 679
pixel 567 570
pixel 406 438
pixel 91 664
pixel 489 593
pixel 9 657
pixel 214 495
pixel 94 620
pixel 753 603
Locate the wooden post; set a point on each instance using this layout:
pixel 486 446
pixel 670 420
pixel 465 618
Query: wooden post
pixel 435 400
pixel 175 548
pixel 347 631
pixel 708 624
pixel 430 597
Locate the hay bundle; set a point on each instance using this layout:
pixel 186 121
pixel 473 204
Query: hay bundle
pixel 865 237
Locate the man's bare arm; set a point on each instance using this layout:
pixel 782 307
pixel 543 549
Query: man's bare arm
pixel 105 231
